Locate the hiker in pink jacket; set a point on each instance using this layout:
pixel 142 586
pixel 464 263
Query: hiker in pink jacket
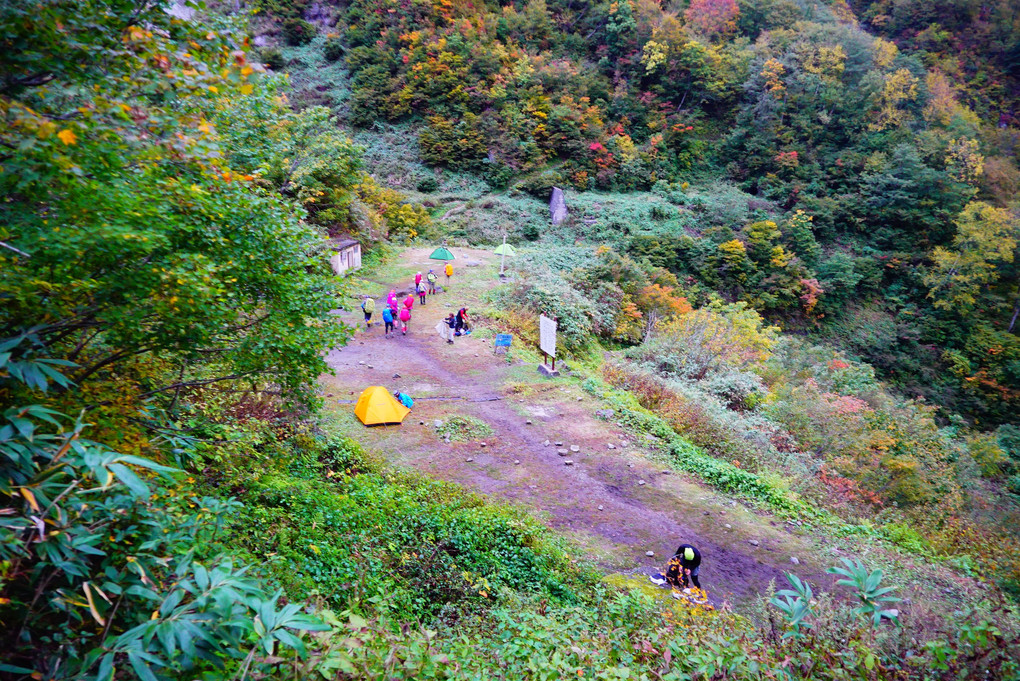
pixel 417 281
pixel 405 317
pixel 391 300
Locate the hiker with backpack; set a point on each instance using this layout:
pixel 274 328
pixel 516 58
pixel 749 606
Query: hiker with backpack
pixel 387 317
pixel 431 278
pixel 405 317
pixel 368 307
pixel 449 273
pixel 421 292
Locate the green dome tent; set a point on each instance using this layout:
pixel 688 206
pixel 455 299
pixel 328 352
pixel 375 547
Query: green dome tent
pixel 441 253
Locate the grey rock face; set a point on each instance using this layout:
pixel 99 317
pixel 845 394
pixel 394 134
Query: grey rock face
pixel 557 206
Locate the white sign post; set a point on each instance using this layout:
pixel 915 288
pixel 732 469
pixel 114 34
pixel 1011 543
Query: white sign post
pixel 547 339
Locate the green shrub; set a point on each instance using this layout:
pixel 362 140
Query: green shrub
pixel 297 31
pixel 272 58
pixel 1013 484
pixel 907 537
pixel 429 184
pixel 454 143
pixel 333 50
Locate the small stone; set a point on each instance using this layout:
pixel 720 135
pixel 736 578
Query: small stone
pixel 706 513
pixel 753 542
pixel 528 422
pixel 437 423
pixel 575 448
pixel 600 507
pixel 568 462
pixel 421 423
pixel 649 436
pixel 469 459
pixel 733 503
pixel 794 560
pixel 361 362
pixel 559 444
pixel 579 399
pixel 630 465
pixel 624 443
pixel 532 487
pixel 370 366
pixel 650 554
pixel 728 526
pixel 665 472
pixel 396 375
pixel 640 482
pixel 546 443
pixel 611 446
pixel 476 354
pixel 562 452
pixel 481 444
pixel 517 462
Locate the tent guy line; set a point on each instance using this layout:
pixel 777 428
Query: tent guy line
pixel 417 399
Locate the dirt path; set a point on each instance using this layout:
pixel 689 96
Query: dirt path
pixel 615 499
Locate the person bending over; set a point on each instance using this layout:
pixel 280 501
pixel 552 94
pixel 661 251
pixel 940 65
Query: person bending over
pixel 682 569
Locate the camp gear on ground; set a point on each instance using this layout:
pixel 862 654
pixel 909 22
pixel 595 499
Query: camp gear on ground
pixel 441 253
pixel 404 399
pixel 377 406
pixel 658 578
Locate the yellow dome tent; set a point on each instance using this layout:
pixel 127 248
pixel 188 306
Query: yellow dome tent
pixel 377 406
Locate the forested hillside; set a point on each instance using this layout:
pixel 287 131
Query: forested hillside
pixel 789 272
pixel 886 163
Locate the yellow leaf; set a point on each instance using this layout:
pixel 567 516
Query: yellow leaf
pixel 247 71
pixel 212 88
pixel 67 137
pixel 92 605
pixel 246 89
pixel 30 498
